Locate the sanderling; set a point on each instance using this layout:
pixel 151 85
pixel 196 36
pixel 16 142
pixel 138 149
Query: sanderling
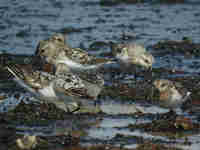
pixel 132 56
pixel 65 89
pixel 93 81
pixel 56 52
pixel 170 94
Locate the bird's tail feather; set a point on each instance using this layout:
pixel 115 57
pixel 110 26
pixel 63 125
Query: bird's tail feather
pixel 16 71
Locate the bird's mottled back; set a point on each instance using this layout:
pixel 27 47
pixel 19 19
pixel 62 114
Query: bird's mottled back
pixel 62 89
pixel 54 50
pixel 59 53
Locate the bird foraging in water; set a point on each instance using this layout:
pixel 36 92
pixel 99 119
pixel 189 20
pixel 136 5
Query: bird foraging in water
pixel 65 89
pixel 55 52
pixel 170 94
pixel 132 56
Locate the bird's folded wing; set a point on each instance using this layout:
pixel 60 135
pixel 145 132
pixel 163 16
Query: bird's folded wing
pixel 70 89
pixel 91 77
pixel 78 55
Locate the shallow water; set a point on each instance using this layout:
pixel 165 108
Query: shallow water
pixel 23 23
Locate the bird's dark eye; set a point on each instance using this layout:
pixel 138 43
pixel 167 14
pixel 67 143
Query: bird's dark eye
pixel 146 61
pixel 163 85
pixel 59 39
pixel 42 51
pixel 119 50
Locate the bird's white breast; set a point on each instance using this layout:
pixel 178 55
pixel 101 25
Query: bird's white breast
pixel 47 91
pixel 73 64
pixel 176 95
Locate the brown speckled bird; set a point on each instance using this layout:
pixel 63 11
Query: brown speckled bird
pixel 65 89
pixel 170 94
pixel 55 51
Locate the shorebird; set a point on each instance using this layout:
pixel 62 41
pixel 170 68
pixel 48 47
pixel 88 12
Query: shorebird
pixel 132 57
pixel 65 89
pixel 55 52
pixel 170 94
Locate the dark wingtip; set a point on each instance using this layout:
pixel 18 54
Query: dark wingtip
pixel 15 70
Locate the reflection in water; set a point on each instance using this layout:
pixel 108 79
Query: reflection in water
pixel 9 101
pixel 72 123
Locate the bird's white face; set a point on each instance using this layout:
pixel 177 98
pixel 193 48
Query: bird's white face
pixel 50 46
pixel 47 50
pixel 145 60
pixel 58 38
